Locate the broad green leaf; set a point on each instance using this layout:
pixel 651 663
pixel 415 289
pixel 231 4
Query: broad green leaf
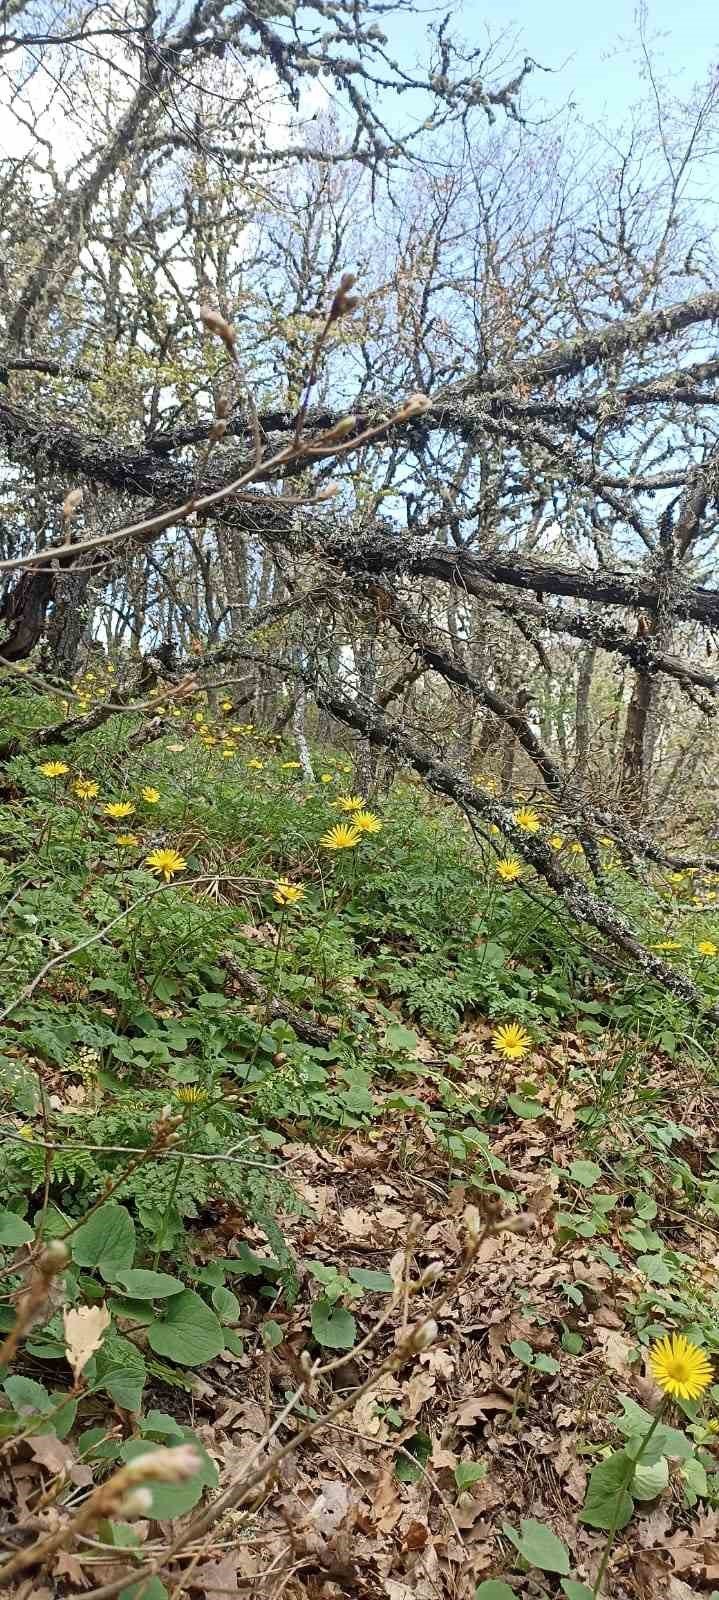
pixel 272 1334
pixel 377 1282
pixel 654 1268
pixel 546 1364
pixel 413 1456
pixel 189 1332
pixel 332 1325
pixel 522 1351
pixel 609 1503
pixel 468 1472
pixel 141 1285
pixel 575 1590
pixel 119 1535
pixel 398 1037
pixel 121 1372
pixel 144 1589
pixel 650 1478
pixel 226 1304
pixel 174 1499
pixel 538 1546
pixel 14 1230
pixel 106 1240
pixel 585 1173
pixel 695 1479
pixel 494 1589
pixel 26 1395
pixel 528 1110
pixel 572 1342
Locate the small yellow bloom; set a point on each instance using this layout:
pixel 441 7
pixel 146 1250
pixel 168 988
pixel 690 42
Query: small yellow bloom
pixel 576 848
pixel 199 717
pixel 226 705
pixel 257 766
pixel 327 777
pixel 508 869
pixel 53 769
pixel 366 822
pixel 165 863
pixel 190 1095
pixel 227 752
pixel 118 809
pixel 527 819
pixel 350 802
pixel 555 841
pixel 85 789
pixel 511 1041
pixel 292 766
pixel 127 840
pixel 706 947
pixel 680 1368
pixel 286 893
pixel 150 795
pixel 342 837
pixel 676 877
pixel 666 944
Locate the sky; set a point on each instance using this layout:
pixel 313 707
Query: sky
pixel 582 41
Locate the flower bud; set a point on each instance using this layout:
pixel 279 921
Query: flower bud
pixel 425 1335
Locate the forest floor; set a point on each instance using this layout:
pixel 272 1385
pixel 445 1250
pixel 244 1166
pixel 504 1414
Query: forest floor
pixel 253 1182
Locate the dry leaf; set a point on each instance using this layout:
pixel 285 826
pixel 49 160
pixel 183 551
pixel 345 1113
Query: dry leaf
pixel 84 1330
pixel 358 1224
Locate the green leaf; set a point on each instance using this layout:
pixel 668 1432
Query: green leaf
pixel 528 1110
pixel 494 1589
pixel 141 1285
pixel 608 1503
pixel 189 1333
pixel 572 1342
pixel 575 1590
pixel 468 1472
pixel 547 1364
pixel 378 1282
pixel 538 1546
pixel 174 1499
pixel 332 1325
pixel 144 1589
pixel 226 1304
pixel 585 1173
pixel 654 1268
pixel 121 1371
pixel 695 1478
pixel 119 1535
pixel 650 1479
pixel 272 1334
pixel 13 1230
pixel 413 1456
pixel 398 1037
pixel 26 1395
pixel 523 1352
pixel 106 1240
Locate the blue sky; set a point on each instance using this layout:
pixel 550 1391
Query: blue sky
pixel 582 41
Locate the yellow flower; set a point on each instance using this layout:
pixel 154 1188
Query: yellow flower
pixel 706 947
pixel 53 769
pixel 118 809
pixel 256 765
pixel 342 837
pixel 350 802
pixel 556 841
pixel 511 1041
pixel 190 1095
pixel 604 840
pixel 366 822
pixel 227 752
pixel 150 795
pixel 226 705
pixel 576 848
pixel 508 869
pixel 327 777
pixel 286 893
pixel 676 877
pixel 666 944
pixel 527 819
pixel 85 789
pixel 165 863
pixel 681 1369
pixel 198 717
pixel 126 840
pixel 292 766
